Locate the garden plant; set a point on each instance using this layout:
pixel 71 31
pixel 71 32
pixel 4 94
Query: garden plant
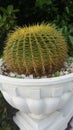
pixel 38 50
pixel 59 13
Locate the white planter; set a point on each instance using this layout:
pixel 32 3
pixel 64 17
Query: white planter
pixel 43 104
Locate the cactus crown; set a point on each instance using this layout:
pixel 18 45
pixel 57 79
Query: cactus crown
pixel 37 50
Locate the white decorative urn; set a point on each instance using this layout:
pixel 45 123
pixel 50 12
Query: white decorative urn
pixel 43 104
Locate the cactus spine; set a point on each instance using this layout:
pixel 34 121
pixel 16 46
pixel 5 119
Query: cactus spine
pixel 37 50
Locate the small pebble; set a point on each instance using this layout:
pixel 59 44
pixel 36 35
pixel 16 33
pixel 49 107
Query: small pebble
pixel 23 76
pixel 31 76
pixel 44 77
pixel 66 72
pixel 65 64
pixel 12 74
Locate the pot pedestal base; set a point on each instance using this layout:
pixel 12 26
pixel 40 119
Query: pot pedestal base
pixel 25 122
pixel 55 121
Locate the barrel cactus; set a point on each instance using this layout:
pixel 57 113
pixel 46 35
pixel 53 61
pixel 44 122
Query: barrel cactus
pixel 38 50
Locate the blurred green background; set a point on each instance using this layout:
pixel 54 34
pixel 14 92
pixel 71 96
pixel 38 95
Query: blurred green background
pixel 27 12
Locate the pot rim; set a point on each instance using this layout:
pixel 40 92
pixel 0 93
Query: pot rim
pixel 41 81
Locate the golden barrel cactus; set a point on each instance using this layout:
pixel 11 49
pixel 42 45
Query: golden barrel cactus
pixel 38 50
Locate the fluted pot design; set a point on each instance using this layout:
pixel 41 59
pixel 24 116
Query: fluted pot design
pixel 39 98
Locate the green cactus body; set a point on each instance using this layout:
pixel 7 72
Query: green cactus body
pixel 38 50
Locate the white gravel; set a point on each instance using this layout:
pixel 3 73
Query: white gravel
pixel 66 69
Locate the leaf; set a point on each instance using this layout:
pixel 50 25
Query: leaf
pixel 1 24
pixel 5 128
pixel 71 39
pixel 10 9
pixel 67 10
pixel 3 10
pixel 16 10
pixel 4 18
pixel 0 17
pixel 40 2
pixel 61 30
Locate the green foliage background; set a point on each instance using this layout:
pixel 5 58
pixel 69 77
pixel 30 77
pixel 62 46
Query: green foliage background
pixel 7 22
pixel 57 12
pixel 6 115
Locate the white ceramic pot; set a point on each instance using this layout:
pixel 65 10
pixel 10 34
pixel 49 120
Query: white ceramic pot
pixel 43 104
